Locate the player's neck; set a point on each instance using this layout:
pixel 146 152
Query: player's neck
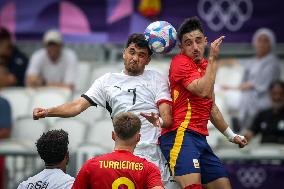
pixel 61 166
pixel 124 147
pixel 132 73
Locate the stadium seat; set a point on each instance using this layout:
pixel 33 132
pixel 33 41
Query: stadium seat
pixel 28 130
pixel 214 137
pixel 233 152
pixel 82 81
pixel 161 66
pixel 40 95
pixel 88 151
pixel 20 158
pixel 76 129
pixel 273 151
pixel 19 99
pixel 47 97
pixel 230 76
pixel 100 134
pixel 109 68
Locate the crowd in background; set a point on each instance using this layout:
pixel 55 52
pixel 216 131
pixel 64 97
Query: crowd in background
pixel 55 65
pixel 260 108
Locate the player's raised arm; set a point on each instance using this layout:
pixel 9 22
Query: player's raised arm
pixel 69 109
pixel 204 86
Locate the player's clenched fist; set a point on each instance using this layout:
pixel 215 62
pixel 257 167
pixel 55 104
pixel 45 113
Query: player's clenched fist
pixel 39 113
pixel 215 47
pixel 240 140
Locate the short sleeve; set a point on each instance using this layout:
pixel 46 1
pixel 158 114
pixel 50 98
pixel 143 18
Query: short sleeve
pixel 96 93
pixel 163 91
pixel 35 63
pixel 182 71
pixel 153 176
pixel 72 65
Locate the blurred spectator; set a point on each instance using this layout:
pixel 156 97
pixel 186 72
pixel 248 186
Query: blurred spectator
pixel 270 123
pixel 259 72
pixel 52 147
pixel 53 65
pixel 5 130
pixel 12 59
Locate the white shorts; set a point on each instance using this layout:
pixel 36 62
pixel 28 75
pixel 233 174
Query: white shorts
pixel 152 153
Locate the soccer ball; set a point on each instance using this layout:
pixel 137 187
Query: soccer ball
pixel 161 36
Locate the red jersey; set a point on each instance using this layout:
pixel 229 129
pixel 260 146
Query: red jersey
pixel 119 169
pixel 189 110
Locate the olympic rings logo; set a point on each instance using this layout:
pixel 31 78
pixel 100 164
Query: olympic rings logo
pixel 230 14
pixel 251 177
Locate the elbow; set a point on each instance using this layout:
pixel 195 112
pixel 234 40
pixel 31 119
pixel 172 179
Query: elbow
pixel 77 109
pixel 206 94
pixel 168 123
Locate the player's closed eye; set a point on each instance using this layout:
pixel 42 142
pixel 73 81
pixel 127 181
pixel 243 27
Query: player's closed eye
pixel 188 43
pixel 131 52
pixel 198 41
pixel 142 55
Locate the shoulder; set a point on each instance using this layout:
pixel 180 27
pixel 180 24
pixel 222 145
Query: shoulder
pixel 181 62
pixel 61 180
pixel 153 73
pixel 39 56
pixel 68 177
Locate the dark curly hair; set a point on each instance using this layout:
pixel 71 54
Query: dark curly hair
pixel 189 25
pixel 52 146
pixel 126 125
pixel 140 41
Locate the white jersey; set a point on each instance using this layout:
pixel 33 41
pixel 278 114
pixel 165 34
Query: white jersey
pixel 118 93
pixel 48 179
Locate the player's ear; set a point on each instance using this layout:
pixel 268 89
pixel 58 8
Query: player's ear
pixel 113 135
pixel 138 136
pixel 180 46
pixel 148 59
pixel 206 41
